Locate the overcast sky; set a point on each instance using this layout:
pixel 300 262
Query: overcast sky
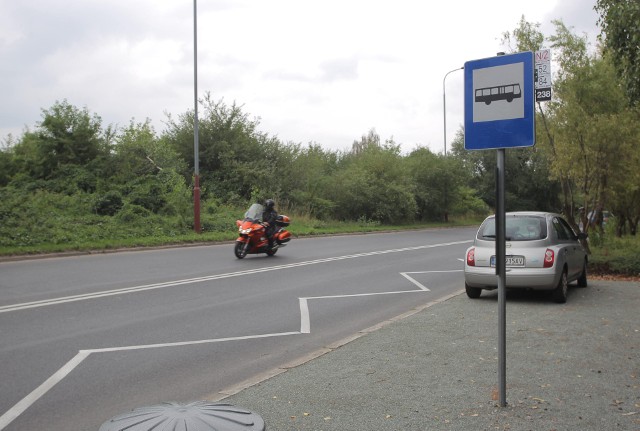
pixel 313 71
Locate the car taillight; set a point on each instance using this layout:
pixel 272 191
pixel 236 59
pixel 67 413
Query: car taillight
pixel 549 257
pixel 471 257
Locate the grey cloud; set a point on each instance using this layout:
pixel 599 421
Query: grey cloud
pixel 342 69
pixel 579 15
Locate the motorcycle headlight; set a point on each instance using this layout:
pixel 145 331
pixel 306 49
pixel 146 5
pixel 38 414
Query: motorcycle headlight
pixel 245 231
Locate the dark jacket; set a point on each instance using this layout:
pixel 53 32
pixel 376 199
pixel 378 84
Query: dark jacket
pixel 270 216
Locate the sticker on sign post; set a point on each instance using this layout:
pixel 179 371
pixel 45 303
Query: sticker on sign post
pixel 543 75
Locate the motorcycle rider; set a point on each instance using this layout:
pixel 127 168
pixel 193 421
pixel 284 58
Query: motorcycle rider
pixel 269 217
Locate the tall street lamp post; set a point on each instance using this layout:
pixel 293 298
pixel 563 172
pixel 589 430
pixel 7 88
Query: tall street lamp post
pixel 196 161
pixel 444 106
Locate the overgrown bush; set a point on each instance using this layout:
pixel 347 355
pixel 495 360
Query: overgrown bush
pixel 109 203
pixel 132 213
pixel 616 256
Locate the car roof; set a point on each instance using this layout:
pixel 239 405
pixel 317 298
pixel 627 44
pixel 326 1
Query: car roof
pixel 530 213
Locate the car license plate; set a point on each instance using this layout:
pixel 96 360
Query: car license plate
pixel 510 260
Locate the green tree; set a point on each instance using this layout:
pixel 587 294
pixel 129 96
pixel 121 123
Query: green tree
pixel 372 183
pixel 234 156
pixel 148 172
pixel 138 152
pixel 620 29
pixel 527 182
pixel 539 188
pixel 6 166
pixel 589 102
pixel 618 173
pixel 67 150
pixel 525 37
pixel 307 179
pixel 437 180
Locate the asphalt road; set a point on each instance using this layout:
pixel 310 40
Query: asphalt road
pixel 85 338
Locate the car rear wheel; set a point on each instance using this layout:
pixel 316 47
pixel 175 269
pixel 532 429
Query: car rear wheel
pixel 582 281
pixel 472 292
pixel 560 292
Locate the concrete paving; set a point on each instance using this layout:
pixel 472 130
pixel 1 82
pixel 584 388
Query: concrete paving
pixel 574 366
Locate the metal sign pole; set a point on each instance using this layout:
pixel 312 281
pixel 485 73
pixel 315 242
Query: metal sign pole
pixel 196 132
pixel 501 274
pixel 498 114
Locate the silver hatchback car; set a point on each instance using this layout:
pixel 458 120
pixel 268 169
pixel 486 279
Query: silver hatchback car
pixel 542 253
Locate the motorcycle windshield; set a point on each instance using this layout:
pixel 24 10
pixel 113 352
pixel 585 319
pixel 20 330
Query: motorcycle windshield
pixel 254 213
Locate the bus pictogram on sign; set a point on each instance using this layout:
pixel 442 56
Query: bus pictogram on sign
pixel 498 92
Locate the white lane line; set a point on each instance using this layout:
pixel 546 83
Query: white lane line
pixel 56 378
pixel 28 401
pixel 134 289
pixel 421 286
pixel 406 275
pixel 305 320
pixel 189 343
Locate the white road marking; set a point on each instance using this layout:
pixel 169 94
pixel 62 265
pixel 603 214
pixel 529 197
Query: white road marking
pixel 27 401
pixel 188 343
pixel 305 320
pixel 56 378
pixel 305 328
pixel 135 289
pixel 411 279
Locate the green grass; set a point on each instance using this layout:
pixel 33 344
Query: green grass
pixel 68 233
pixel 62 230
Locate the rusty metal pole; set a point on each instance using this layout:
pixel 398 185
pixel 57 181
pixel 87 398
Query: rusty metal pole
pixel 196 160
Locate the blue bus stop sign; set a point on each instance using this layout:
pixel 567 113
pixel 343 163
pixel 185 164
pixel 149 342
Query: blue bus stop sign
pixel 499 102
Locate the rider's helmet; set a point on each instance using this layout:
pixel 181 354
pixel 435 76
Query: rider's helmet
pixel 269 204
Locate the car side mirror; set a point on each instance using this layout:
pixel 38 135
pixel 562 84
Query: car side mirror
pixel 582 236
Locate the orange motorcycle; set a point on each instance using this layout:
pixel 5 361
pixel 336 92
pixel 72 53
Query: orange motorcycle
pixel 252 237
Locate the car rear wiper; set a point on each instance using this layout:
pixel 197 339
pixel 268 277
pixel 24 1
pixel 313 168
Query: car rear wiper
pixel 507 238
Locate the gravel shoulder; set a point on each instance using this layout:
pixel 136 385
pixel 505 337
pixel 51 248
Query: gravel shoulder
pixel 574 366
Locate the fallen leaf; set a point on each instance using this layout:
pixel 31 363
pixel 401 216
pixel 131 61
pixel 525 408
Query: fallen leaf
pixel 327 418
pixel 387 417
pixel 305 414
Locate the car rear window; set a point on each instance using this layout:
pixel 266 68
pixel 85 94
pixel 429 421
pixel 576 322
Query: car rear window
pixel 518 228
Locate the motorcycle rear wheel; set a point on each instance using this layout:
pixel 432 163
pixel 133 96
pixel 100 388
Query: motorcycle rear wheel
pixel 271 252
pixel 240 250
